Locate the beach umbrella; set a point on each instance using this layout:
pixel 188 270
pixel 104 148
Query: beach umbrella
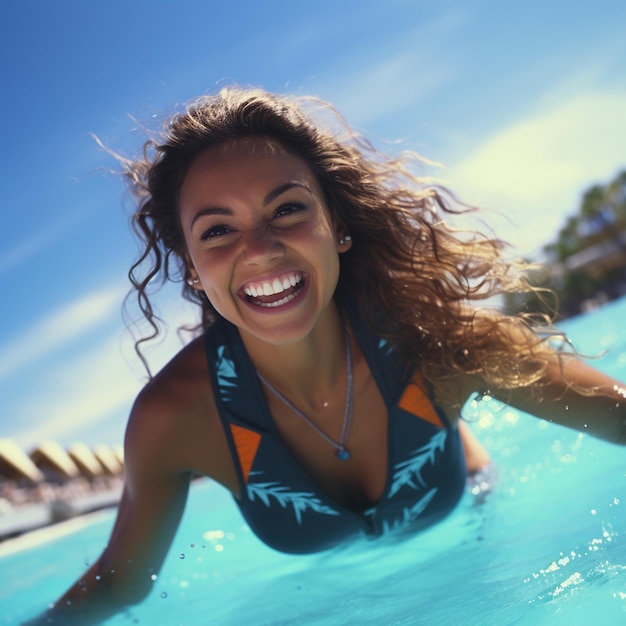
pixel 108 460
pixel 119 453
pixel 16 464
pixel 86 460
pixel 49 455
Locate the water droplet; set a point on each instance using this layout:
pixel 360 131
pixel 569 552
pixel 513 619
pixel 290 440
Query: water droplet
pixel 153 577
pixel 593 511
pixel 98 577
pixel 181 555
pixel 164 594
pixel 193 545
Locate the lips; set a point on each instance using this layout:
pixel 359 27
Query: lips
pixel 274 292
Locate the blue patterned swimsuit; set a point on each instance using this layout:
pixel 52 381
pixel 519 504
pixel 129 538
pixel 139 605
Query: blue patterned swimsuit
pixel 283 505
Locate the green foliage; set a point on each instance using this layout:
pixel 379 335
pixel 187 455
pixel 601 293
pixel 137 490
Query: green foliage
pixel 587 261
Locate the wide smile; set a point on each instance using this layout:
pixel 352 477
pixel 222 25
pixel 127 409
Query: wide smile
pixel 276 292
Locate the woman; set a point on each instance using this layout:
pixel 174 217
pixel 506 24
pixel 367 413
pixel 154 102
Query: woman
pixel 343 333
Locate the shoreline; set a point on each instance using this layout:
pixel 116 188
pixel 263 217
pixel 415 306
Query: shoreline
pixel 39 536
pixel 34 517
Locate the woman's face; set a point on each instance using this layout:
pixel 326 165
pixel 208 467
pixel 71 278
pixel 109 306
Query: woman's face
pixel 260 238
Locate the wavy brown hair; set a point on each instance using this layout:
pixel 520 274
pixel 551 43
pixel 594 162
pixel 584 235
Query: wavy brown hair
pixel 417 281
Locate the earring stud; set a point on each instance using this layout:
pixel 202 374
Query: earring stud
pixel 345 239
pixel 193 281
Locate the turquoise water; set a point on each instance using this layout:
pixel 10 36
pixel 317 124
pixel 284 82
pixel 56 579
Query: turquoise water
pixel 547 547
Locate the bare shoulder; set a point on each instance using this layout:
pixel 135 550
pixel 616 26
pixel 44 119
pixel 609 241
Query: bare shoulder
pixel 174 426
pixel 179 389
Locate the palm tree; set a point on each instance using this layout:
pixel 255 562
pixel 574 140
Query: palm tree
pixel 604 208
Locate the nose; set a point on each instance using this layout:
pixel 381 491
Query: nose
pixel 261 246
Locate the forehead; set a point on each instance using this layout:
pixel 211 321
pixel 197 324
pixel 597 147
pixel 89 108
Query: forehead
pixel 252 162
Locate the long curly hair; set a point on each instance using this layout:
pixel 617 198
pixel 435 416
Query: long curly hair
pixel 417 281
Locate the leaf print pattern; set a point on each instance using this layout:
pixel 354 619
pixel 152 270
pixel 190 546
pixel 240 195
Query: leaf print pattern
pixel 409 471
pixel 226 375
pixel 299 500
pixel 410 514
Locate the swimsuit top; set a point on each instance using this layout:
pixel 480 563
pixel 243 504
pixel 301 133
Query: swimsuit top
pixel 283 505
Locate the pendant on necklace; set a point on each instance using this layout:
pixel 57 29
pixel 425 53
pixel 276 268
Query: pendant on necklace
pixel 342 455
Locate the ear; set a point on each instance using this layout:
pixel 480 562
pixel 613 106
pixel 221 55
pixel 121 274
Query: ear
pixel 344 240
pixel 342 234
pixel 192 275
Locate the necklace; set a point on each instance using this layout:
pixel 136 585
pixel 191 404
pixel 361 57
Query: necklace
pixel 341 452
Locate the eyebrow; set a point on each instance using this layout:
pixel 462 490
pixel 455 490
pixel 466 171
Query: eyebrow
pixel 281 189
pixel 272 195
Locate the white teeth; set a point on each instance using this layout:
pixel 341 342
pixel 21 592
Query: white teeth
pixel 272 305
pixel 272 288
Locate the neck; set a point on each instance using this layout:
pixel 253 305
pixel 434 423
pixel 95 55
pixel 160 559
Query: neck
pixel 309 371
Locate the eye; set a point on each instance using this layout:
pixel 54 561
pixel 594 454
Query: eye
pixel 288 209
pixel 215 231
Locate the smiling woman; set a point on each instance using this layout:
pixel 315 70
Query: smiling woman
pixel 344 326
pixel 253 217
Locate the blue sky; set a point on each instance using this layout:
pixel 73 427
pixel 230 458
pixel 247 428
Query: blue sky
pixel 523 103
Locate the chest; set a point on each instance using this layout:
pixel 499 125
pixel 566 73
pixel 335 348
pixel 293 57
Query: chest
pixel 416 477
pixel 260 426
pixel 356 483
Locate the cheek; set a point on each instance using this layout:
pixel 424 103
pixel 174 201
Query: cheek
pixel 215 279
pixel 330 263
pixel 324 227
pixel 216 286
pixel 220 301
pixel 215 265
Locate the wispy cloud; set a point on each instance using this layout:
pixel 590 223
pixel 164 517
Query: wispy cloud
pixel 36 242
pixel 392 85
pixel 60 328
pixel 536 168
pixel 81 391
pixel 23 250
pixel 366 90
pixel 78 392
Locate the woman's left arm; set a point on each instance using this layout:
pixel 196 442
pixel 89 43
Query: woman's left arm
pixel 576 395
